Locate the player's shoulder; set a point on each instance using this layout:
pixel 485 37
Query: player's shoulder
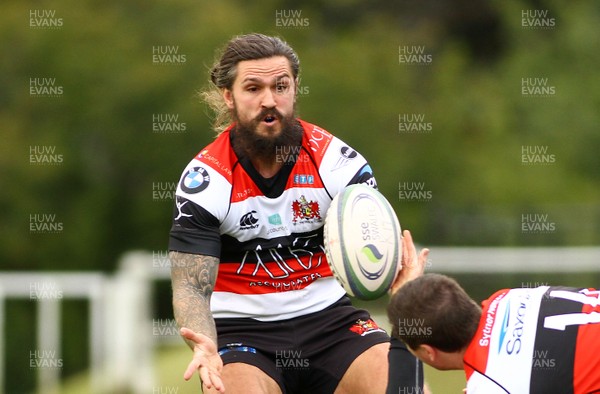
pixel 315 138
pixel 327 148
pixel 207 177
pixel 218 155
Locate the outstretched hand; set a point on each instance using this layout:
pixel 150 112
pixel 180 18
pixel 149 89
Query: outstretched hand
pixel 206 360
pixel 413 263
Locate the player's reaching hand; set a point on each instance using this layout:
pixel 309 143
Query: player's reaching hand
pixel 206 360
pixel 413 263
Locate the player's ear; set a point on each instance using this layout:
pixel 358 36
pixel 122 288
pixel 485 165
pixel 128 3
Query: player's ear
pixel 228 98
pixel 429 353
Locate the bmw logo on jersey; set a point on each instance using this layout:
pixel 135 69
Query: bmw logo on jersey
pixel 195 180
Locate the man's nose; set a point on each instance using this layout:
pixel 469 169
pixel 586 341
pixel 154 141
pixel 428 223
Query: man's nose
pixel 268 99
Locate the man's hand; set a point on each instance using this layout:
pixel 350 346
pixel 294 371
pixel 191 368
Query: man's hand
pixel 206 360
pixel 413 264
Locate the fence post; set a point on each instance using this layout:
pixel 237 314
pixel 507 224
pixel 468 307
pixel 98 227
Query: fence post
pixel 128 326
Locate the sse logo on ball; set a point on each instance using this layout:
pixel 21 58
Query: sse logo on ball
pixel 362 241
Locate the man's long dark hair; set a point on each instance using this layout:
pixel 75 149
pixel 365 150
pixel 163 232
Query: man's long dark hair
pixel 222 74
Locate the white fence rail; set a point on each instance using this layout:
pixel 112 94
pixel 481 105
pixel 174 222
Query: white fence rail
pixel 506 260
pixel 120 319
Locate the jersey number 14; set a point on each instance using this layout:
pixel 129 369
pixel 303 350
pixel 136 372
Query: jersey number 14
pixel 560 322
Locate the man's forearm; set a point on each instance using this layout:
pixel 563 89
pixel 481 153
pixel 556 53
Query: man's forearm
pixel 193 278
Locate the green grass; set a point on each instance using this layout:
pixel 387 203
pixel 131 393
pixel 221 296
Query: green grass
pixel 445 382
pixel 171 361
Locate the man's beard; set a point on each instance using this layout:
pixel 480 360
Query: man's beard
pixel 247 143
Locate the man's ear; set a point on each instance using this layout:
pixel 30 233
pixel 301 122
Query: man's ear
pixel 228 98
pixel 429 353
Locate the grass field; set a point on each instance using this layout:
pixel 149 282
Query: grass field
pixel 171 361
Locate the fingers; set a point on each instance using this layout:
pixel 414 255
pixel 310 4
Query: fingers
pixel 423 255
pixel 423 260
pixel 191 368
pixel 205 342
pixel 197 338
pixel 409 251
pixel 212 380
pixel 413 263
pixel 204 352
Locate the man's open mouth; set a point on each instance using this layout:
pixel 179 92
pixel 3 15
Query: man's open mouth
pixel 270 119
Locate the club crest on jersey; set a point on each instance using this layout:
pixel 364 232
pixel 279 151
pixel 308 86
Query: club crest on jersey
pixel 248 221
pixel 363 328
pixel 195 180
pixel 305 211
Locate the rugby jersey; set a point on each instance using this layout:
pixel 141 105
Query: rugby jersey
pixel 536 340
pixel 267 233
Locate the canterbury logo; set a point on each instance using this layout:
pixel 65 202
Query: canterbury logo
pixel 248 221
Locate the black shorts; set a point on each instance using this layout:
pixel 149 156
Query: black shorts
pixel 306 354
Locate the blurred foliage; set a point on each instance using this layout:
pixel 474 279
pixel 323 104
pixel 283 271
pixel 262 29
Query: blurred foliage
pixel 354 86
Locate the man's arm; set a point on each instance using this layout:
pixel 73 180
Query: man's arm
pixel 193 279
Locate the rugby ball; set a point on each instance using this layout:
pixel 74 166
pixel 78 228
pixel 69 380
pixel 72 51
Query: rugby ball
pixel 363 243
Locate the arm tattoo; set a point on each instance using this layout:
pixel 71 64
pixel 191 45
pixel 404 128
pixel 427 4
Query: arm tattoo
pixel 193 278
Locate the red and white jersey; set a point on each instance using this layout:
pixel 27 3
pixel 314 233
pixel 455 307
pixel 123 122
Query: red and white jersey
pixel 536 340
pixel 267 233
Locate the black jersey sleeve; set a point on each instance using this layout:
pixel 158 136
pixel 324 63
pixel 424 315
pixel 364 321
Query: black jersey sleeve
pixel 405 374
pixel 194 229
